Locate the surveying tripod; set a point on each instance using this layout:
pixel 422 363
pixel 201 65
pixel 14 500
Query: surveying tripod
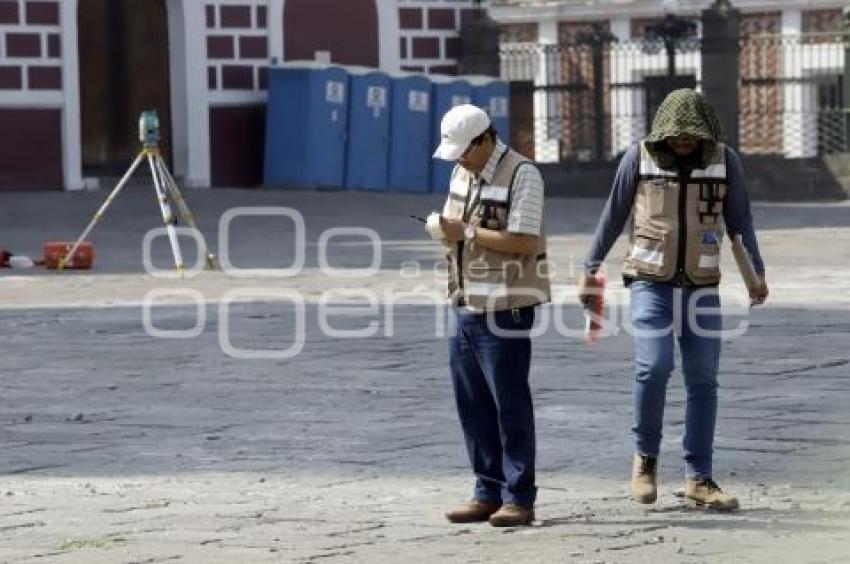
pixel 166 189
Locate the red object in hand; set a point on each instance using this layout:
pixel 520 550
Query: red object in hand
pixel 593 311
pixel 82 260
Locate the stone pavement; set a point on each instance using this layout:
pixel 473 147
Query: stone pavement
pixel 121 447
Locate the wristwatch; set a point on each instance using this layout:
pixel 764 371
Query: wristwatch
pixel 469 233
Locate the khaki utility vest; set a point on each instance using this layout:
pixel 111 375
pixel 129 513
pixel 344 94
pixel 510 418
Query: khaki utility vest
pixel 482 279
pixel 677 225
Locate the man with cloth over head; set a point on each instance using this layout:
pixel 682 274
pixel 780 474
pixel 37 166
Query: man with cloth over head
pixel 680 186
pixel 492 223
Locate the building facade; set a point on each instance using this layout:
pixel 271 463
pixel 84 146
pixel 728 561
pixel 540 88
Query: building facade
pixel 75 74
pixel 792 65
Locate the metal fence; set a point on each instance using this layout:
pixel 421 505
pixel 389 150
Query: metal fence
pixel 588 102
pixel 791 98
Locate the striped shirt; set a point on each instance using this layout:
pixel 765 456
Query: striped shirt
pixel 526 213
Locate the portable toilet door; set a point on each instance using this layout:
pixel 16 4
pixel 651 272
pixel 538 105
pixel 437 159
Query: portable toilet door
pixel 286 114
pixel 493 96
pixel 410 138
pixel 447 95
pixel 306 126
pixel 367 162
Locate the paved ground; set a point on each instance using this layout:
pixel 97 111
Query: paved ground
pixel 120 447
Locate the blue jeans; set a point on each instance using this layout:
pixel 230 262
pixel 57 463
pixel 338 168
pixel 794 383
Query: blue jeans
pixel 490 379
pixel 653 307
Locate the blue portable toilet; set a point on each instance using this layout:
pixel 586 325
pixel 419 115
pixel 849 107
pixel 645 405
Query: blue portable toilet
pixel 410 138
pixel 448 93
pixel 367 159
pixel 493 96
pixel 306 126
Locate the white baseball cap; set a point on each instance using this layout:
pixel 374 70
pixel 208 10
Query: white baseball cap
pixel 459 127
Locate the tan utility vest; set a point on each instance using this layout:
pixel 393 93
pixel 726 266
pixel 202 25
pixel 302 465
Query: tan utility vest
pixel 677 229
pixel 482 279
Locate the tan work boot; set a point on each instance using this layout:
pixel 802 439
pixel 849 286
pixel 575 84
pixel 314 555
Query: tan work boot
pixel 512 515
pixel 473 512
pixel 644 471
pixel 707 494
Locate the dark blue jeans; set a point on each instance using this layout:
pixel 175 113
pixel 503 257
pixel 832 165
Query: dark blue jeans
pixel 490 378
pixel 653 307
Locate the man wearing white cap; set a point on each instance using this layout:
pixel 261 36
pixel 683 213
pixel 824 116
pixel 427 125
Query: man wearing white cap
pixel 492 223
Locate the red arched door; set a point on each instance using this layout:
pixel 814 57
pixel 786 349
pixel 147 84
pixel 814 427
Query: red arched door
pixel 348 30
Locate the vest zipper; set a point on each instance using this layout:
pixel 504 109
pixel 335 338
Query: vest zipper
pixel 460 265
pixel 465 214
pixel 683 225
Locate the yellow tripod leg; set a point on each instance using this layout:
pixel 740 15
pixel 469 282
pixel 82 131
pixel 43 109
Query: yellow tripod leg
pixel 184 212
pixel 165 209
pixel 101 210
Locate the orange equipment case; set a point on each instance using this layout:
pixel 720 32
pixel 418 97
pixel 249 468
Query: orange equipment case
pixel 82 260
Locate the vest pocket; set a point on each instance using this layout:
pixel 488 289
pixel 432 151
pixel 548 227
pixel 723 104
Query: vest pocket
pixel 649 253
pixel 706 261
pixel 479 270
pixel 492 215
pixel 485 286
pixel 492 210
pixel 656 195
pixel 451 269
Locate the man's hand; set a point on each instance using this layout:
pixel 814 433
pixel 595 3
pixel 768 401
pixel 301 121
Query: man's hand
pixel 589 287
pixel 453 229
pixel 759 294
